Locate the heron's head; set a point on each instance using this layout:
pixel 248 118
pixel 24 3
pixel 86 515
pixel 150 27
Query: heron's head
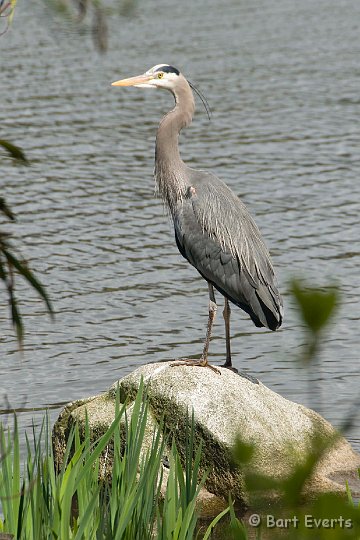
pixel 159 76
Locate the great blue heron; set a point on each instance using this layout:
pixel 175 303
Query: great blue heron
pixel 213 228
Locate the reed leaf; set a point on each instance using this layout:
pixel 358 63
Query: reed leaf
pixel 40 503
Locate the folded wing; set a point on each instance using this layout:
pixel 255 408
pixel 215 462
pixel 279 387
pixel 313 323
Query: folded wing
pixel 216 234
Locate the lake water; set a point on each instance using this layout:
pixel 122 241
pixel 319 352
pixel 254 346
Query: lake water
pixel 282 79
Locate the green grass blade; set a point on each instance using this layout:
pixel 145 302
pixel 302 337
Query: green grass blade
pixel 86 516
pixel 16 481
pixel 100 445
pixel 214 522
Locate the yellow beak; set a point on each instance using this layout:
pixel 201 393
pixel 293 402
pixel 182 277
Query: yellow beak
pixel 132 81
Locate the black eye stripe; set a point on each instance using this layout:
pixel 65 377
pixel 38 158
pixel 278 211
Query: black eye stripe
pixel 168 69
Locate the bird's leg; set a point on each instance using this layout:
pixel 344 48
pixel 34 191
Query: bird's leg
pixel 212 315
pixel 204 357
pixel 226 315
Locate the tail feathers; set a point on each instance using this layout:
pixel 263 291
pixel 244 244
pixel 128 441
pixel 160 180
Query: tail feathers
pixel 264 301
pixel 271 315
pixel 264 305
pixel 260 300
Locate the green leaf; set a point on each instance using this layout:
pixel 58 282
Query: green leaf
pixel 237 530
pixel 6 210
pixel 316 305
pixel 86 516
pixel 214 522
pixel 29 276
pixel 15 151
pixel 16 319
pixel 243 452
pixel 259 483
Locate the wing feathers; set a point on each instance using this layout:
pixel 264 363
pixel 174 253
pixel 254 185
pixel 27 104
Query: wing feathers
pixel 230 252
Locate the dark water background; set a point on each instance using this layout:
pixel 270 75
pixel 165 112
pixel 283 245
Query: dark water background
pixel 282 79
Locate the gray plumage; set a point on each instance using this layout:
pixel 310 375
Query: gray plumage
pixel 216 234
pixel 213 228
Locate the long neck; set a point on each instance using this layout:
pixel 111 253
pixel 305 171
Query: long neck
pixel 169 168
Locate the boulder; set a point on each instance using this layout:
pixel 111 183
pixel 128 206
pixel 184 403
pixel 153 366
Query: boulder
pixel 225 406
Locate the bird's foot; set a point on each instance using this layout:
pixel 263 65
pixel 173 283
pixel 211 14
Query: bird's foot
pixel 228 364
pixel 231 367
pixel 250 378
pixel 203 362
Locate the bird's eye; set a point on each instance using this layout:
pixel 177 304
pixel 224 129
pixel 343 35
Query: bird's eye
pixel 160 75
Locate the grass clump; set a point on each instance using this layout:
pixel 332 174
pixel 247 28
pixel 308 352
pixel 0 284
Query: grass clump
pixel 144 501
